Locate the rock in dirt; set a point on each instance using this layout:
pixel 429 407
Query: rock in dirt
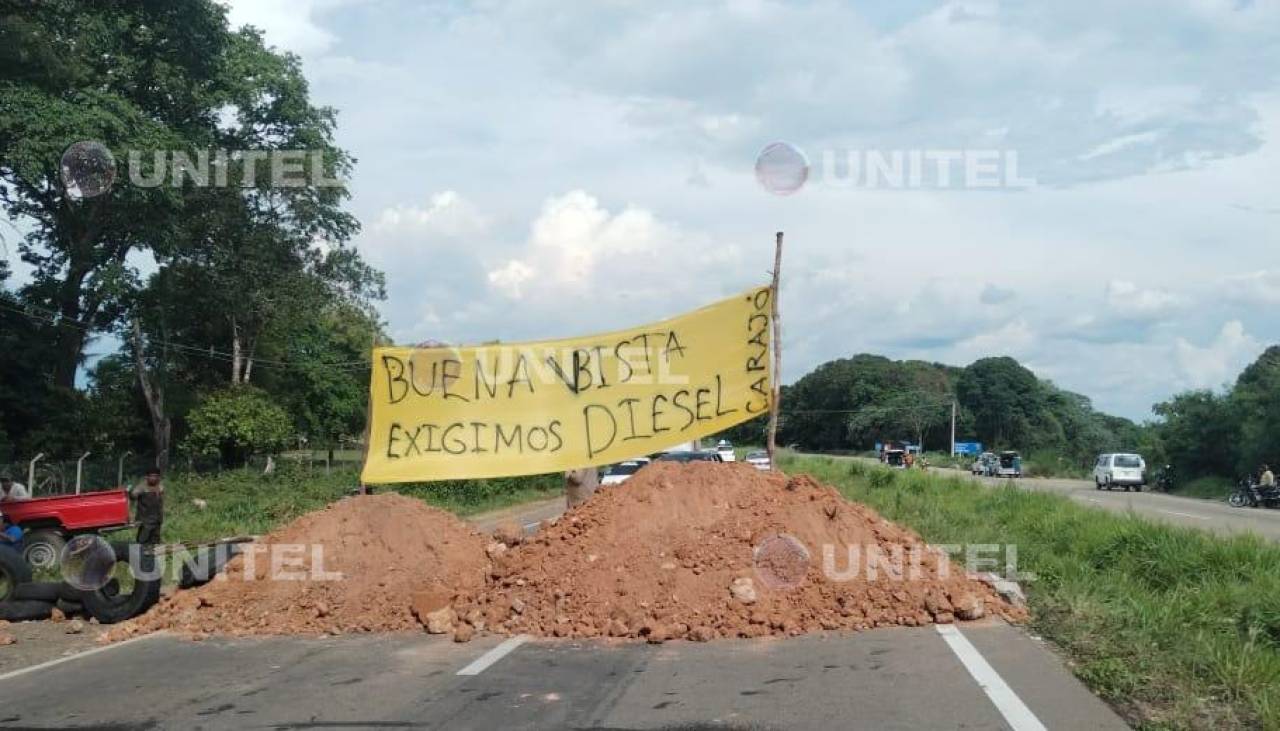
pixel 464 633
pixel 441 621
pixel 968 606
pixel 743 589
pixel 75 627
pixel 7 639
pixel 508 533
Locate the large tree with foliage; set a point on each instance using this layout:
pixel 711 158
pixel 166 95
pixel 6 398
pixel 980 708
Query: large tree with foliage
pixel 131 76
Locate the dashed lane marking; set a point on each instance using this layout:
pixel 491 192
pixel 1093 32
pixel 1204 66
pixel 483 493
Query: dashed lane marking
pixel 480 664
pixel 1015 712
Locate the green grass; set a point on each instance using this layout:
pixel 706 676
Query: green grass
pixel 1209 488
pixel 1174 627
pixel 248 502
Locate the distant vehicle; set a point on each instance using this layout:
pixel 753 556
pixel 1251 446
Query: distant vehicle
pixel 1120 470
pixel 759 459
pixel 725 449
pixel 616 474
pixel 1009 464
pixel 690 456
pixel 896 458
pixel 1250 494
pixel 984 465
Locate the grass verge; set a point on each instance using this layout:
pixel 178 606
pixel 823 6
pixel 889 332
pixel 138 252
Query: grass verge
pixel 248 502
pixel 1174 627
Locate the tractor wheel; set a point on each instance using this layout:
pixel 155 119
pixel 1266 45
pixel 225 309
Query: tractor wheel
pixel 13 572
pixel 108 605
pixel 43 548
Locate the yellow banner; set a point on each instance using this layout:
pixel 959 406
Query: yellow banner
pixel 527 408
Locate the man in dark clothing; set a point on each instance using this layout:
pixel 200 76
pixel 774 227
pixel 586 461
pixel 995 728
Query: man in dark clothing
pixel 148 497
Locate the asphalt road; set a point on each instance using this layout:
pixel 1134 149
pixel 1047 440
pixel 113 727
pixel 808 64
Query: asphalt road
pixel 1217 517
pixel 881 679
pixel 1209 515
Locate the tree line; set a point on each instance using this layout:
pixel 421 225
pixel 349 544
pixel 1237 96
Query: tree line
pixel 853 403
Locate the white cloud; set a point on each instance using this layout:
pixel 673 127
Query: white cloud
pixel 446 214
pixel 1218 362
pixel 509 279
pixel 288 24
pixel 1131 301
pixel 1255 288
pixel 574 235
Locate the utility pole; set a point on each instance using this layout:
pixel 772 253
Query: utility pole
pixel 953 427
pixel 776 341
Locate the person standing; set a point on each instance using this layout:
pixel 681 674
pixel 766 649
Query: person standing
pixel 11 491
pixel 148 497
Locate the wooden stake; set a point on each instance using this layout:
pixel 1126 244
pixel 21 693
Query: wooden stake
pixel 775 402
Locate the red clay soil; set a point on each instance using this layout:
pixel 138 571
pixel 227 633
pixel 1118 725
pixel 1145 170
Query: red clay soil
pixel 386 547
pixel 702 550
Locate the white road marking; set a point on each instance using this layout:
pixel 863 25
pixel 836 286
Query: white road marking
pixel 1185 515
pixel 77 656
pixel 480 664
pixel 1020 717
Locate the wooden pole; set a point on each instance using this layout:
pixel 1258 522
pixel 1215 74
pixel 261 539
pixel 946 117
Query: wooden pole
pixel 775 402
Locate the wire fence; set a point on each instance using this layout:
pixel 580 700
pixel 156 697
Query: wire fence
pixel 95 473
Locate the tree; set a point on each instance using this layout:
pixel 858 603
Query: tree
pixel 1255 401
pixel 67 86
pixel 235 424
pixel 1004 398
pixel 1200 433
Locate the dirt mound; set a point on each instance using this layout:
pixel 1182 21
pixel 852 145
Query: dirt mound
pixel 350 567
pixel 702 550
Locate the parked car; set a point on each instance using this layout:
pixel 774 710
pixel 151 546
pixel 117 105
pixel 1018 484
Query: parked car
pixel 708 455
pixel 984 465
pixel 725 450
pixel 1009 464
pixel 759 459
pixel 1120 470
pixel 616 474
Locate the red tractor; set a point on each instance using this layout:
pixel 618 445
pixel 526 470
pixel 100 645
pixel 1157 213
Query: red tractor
pixel 48 522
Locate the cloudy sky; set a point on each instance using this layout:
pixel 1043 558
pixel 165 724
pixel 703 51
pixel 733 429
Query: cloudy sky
pixel 543 168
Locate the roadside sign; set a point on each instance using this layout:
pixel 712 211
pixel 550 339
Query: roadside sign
pixel 970 448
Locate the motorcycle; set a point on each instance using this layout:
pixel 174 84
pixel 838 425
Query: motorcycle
pixel 1164 479
pixel 1250 495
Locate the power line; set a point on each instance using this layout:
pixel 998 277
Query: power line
pixel 202 351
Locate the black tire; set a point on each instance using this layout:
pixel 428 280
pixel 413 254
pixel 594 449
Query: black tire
pixel 69 608
pixel 14 571
pixel 205 565
pixel 43 548
pixel 25 611
pixel 108 606
pixel 1137 488
pixel 40 591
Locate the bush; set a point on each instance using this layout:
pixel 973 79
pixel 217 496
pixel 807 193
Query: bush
pixel 235 424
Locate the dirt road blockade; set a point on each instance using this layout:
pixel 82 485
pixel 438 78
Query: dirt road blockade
pixel 680 551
